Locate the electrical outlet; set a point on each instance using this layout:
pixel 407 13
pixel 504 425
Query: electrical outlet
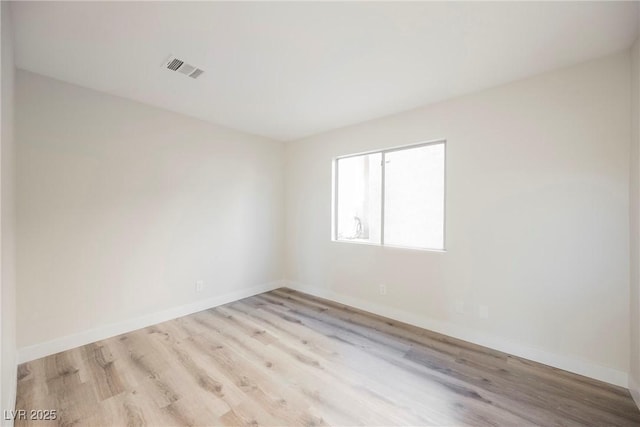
pixel 483 311
pixel 383 289
pixel 199 285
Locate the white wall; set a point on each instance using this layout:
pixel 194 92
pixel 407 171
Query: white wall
pixel 537 220
pixel 122 207
pixel 7 222
pixel 634 221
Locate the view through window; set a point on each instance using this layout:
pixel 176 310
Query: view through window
pixel 392 197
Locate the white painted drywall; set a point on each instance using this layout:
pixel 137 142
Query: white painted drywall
pixel 122 207
pixel 8 369
pixel 537 219
pixel 634 223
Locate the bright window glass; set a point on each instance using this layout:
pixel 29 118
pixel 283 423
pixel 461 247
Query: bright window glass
pixel 392 197
pixel 359 198
pixel 414 197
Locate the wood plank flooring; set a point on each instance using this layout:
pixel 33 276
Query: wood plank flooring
pixel 284 358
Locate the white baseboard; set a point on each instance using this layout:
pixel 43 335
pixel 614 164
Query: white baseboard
pixel 588 369
pixel 36 351
pixel 634 389
pixel 567 363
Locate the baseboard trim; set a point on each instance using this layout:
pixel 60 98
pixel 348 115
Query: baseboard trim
pixel 36 351
pixel 581 367
pixel 567 363
pixel 634 389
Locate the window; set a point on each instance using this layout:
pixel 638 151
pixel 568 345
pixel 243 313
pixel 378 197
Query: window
pixel 391 197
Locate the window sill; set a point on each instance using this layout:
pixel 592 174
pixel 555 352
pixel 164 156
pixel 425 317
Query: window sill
pixel 393 247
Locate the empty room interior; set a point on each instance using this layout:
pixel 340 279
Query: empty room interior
pixel 320 213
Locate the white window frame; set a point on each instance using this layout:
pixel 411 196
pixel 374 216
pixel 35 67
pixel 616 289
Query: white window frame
pixel 334 196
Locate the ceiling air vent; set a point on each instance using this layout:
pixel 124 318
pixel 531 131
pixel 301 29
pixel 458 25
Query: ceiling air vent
pixel 175 64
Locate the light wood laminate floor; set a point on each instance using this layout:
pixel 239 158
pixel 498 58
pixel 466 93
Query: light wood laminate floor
pixel 286 358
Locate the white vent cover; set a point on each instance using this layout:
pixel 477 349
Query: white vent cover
pixel 175 64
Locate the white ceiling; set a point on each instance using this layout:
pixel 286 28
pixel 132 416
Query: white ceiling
pixel 288 70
